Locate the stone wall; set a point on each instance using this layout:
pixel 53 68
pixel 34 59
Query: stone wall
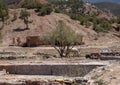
pixel 59 70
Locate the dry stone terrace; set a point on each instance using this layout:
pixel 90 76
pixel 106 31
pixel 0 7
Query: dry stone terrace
pixel 30 69
pixel 52 71
pixel 29 73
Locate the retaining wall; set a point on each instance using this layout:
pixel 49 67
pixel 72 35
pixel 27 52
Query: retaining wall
pixel 72 70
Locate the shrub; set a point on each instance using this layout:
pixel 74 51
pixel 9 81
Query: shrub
pixel 63 39
pixel 57 10
pixel 3 13
pixel 24 15
pixel 102 25
pixel 46 9
pixel 31 4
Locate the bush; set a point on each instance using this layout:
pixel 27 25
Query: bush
pixel 76 17
pixel 3 13
pixel 98 28
pixel 63 39
pixel 87 24
pixel 57 10
pixel 24 15
pixel 31 4
pixel 46 9
pixel 102 25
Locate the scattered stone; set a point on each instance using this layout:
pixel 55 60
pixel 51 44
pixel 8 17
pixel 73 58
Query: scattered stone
pixel 81 80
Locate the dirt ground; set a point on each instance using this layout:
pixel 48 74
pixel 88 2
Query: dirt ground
pixel 108 75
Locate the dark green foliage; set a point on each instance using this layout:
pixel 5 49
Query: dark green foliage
pixel 46 9
pixel 99 25
pixel 62 5
pixel 3 13
pixel 57 10
pixel 76 16
pixel 24 15
pixel 76 5
pixel 98 28
pixel 84 20
pixel 43 9
pixel 102 26
pixel 31 4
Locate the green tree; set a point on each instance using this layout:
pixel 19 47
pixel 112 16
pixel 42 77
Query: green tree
pixel 24 15
pixel 63 39
pixel 31 4
pixel 46 9
pixel 102 25
pixel 3 13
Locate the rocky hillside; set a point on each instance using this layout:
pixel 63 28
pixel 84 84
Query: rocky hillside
pixel 92 9
pixel 40 25
pixel 17 3
pixel 80 7
pixel 113 7
pixel 86 20
pixel 97 1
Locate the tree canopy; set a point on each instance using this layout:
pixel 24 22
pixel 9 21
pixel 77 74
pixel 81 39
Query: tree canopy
pixel 3 13
pixel 63 39
pixel 24 15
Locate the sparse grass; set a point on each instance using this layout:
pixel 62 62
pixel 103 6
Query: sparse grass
pixel 95 77
pixel 101 82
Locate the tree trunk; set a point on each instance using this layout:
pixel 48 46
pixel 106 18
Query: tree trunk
pixel 26 23
pixel 27 27
pixel 2 25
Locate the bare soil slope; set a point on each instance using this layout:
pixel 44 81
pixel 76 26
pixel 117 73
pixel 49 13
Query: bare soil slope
pixel 40 25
